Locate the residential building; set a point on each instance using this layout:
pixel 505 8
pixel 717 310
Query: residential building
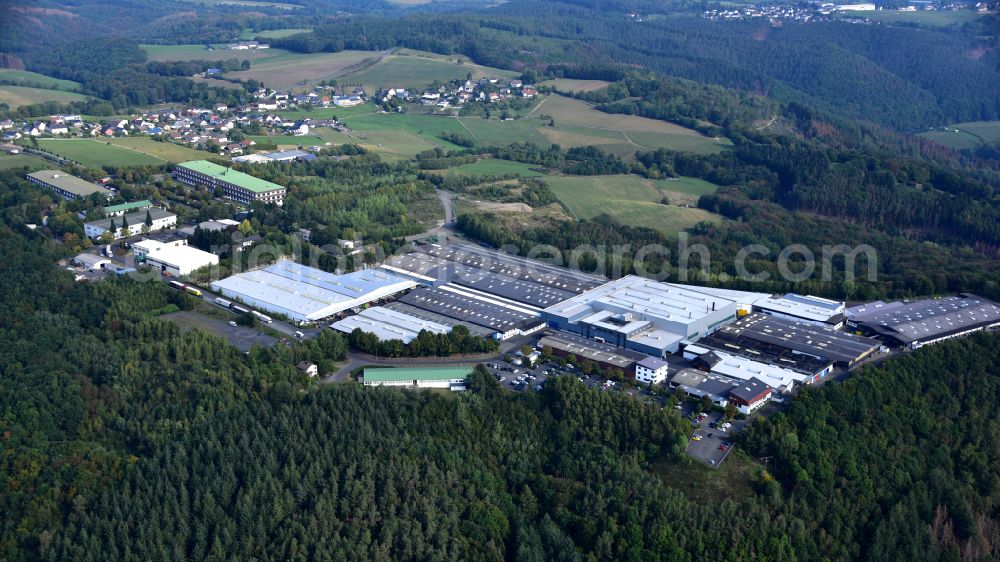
pixel 237 186
pixel 123 208
pixel 308 368
pixel 135 224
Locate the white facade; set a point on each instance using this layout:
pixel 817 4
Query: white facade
pixel 778 378
pixel 651 370
pixel 136 224
pixel 175 258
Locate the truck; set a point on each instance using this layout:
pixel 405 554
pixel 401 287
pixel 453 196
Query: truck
pixel 176 285
pixel 239 309
pixel 108 252
pixel 262 317
pixel 223 302
pixel 193 291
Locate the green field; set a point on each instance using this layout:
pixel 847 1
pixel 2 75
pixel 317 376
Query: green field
pixel 969 135
pixel 273 33
pixel 10 161
pixel 24 77
pixel 577 124
pixel 935 18
pixel 573 85
pixel 631 200
pixel 16 96
pixel 493 167
pixel 96 154
pixel 415 70
pixel 280 69
pixel 280 140
pixel 328 112
pixel 162 53
pixel 161 150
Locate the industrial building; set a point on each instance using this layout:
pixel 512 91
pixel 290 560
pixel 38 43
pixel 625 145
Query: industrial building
pixel 91 262
pixel 504 319
pixel 642 315
pixel 237 186
pixel 741 368
pixel 67 185
pixel 697 383
pixel 135 224
pixel 744 299
pixel 604 355
pixel 918 323
pixel 441 319
pixel 175 258
pixel 804 308
pixel 750 395
pixel 306 294
pixel 514 266
pixel 388 324
pixel 452 378
pixel 776 339
pixel 485 289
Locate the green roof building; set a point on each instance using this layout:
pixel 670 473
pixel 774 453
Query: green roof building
pixel 237 186
pixel 122 208
pixel 452 378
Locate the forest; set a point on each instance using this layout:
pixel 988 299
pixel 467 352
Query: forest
pixel 127 438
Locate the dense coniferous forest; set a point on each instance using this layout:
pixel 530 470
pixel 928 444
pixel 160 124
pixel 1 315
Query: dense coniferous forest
pixel 125 437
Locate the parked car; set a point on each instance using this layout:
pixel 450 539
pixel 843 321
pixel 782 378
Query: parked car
pixel 232 323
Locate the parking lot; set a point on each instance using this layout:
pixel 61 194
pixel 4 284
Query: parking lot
pixel 243 337
pixel 710 440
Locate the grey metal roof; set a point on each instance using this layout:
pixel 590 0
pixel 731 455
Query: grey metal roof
pixel 515 266
pixel 749 389
pixel 69 183
pixel 932 318
pixel 466 308
pixel 803 337
pixel 404 308
pixel 132 218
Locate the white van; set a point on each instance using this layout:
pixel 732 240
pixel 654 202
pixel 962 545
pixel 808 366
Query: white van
pixel 300 335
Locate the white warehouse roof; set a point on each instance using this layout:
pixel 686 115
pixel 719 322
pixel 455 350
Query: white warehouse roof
pixel 668 307
pixel 776 377
pixel 388 324
pixel 806 307
pixel 305 293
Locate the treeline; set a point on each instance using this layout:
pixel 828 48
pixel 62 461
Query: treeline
pixel 905 268
pixel 897 460
pixel 426 344
pixel 893 193
pixel 125 437
pixel 711 110
pixel 863 72
pixel 114 70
